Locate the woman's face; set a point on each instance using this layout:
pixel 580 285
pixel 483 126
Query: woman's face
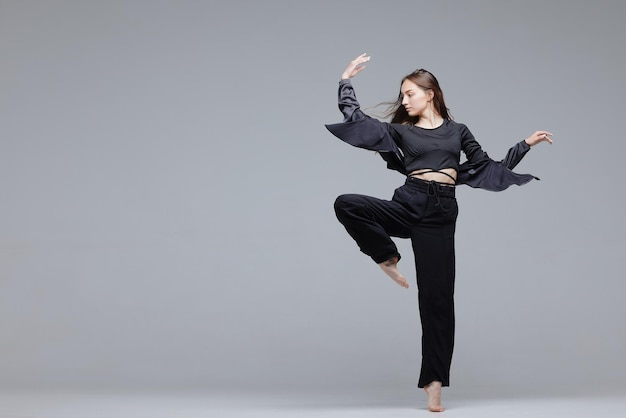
pixel 414 99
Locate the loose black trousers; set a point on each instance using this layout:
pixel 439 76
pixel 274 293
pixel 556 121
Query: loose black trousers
pixel 426 213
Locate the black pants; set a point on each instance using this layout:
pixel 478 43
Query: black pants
pixel 426 212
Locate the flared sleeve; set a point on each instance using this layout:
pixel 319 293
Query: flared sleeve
pixel 481 172
pixel 515 154
pixel 363 131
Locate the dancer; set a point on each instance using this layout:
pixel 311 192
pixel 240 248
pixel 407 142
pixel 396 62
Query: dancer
pixel 423 143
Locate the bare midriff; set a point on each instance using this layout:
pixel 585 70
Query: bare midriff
pixel 437 175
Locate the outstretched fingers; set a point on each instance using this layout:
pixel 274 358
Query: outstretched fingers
pixel 539 136
pixel 355 66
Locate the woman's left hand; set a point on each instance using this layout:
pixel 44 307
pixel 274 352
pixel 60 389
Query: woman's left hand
pixel 538 137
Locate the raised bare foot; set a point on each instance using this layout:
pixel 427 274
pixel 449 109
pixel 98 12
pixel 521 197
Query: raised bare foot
pixel 434 396
pixel 391 268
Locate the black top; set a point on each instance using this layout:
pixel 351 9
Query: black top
pixel 436 148
pixel 407 148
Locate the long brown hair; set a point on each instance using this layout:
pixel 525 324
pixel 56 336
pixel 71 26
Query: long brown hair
pixel 426 81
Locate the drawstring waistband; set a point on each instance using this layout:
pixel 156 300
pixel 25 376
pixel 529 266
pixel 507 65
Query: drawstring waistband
pixel 432 188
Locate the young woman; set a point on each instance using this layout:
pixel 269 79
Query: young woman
pixel 423 143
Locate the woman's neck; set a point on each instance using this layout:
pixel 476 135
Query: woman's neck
pixel 429 119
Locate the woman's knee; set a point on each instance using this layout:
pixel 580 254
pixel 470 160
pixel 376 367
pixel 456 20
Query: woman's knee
pixel 344 202
pixel 347 206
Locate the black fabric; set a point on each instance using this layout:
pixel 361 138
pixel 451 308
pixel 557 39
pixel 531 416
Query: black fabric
pixel 436 148
pixel 406 148
pixel 426 213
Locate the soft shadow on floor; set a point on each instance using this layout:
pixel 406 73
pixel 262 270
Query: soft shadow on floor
pixel 414 398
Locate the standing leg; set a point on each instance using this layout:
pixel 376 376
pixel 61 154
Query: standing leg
pixel 433 245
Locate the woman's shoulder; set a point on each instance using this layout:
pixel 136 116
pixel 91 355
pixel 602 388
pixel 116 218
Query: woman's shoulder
pixel 400 126
pixel 454 124
pixel 457 126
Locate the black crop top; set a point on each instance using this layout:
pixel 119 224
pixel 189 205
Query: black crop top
pixel 436 148
pixel 407 148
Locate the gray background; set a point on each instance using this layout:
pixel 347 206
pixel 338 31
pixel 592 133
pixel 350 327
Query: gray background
pixel 167 187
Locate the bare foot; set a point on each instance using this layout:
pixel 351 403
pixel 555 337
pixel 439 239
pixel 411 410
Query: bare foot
pixel 391 268
pixel 434 396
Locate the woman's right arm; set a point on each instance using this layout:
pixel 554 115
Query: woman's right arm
pixel 348 104
pixel 357 128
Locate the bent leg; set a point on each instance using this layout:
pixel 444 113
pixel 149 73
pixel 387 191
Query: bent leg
pixel 371 222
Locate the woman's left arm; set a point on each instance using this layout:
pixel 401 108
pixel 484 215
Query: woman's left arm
pixel 537 137
pixel 480 171
pixel 519 150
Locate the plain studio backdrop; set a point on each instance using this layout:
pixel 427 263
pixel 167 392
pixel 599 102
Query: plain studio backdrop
pixel 167 191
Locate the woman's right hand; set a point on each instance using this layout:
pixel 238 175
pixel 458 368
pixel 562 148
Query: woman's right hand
pixel 355 66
